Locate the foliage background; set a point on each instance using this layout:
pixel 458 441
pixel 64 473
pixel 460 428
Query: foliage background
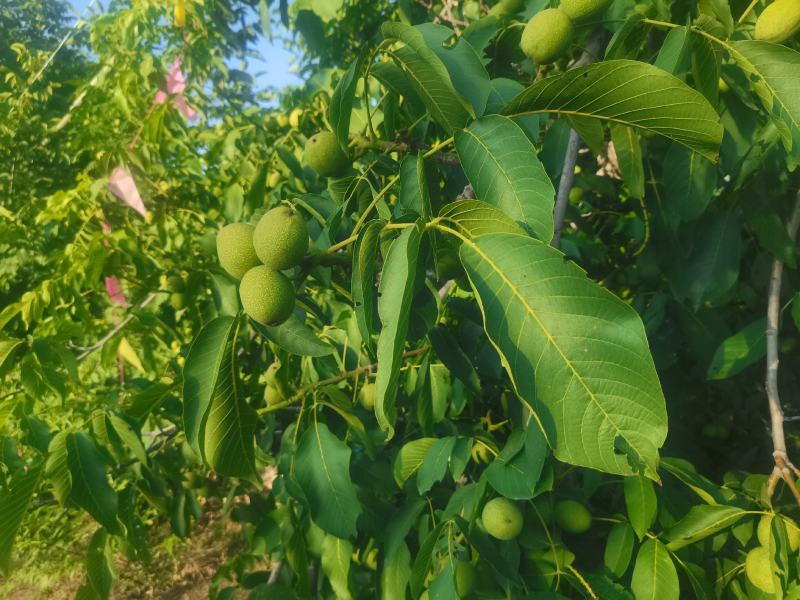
pixel 687 243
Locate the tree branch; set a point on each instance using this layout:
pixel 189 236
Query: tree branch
pixel 103 340
pixel 300 394
pixel 590 54
pixel 784 469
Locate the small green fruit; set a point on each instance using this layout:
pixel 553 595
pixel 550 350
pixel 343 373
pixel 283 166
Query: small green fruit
pixel 323 154
pixel 235 249
pixel 779 21
pixel 575 195
pixel 465 578
pixel 281 238
pixel 271 376
pixel 272 395
pixel 580 9
pixel 472 10
pixel 502 519
pixel 546 36
pixel 175 283
pixel 267 296
pixel 758 568
pixel 366 396
pixel 177 300
pixel 572 516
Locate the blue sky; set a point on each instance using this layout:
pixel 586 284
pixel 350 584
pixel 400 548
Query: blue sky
pixel 272 67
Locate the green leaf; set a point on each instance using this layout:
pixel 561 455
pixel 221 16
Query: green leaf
pixel 424 559
pixel 654 574
pixel 56 469
pixel 217 418
pixel 395 294
pixel 641 502
pixel 414 195
pixel 447 348
pixel 462 62
pixel 629 156
pixel 90 487
pixel 473 218
pixel 129 437
pixel 689 182
pixel 674 51
pixel 322 469
pixel 628 93
pixel 774 70
pixel 434 466
pixel 705 68
pixel 428 77
pixel 515 472
pixel 201 375
pixel 619 549
pixel 294 336
pixel 796 309
pixel 336 557
pixel 628 40
pixel 700 522
pixel 99 569
pixel 341 106
pixel 739 351
pixel 771 232
pixel 686 473
pixel 338 401
pixel 504 170
pixel 712 266
pixel 7 347
pixel 363 280
pixel 397 560
pixel 14 502
pixel 410 459
pixel 581 349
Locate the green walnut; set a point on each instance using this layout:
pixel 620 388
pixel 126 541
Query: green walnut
pixel 267 296
pixel 779 21
pixel 546 36
pixel 175 283
pixel 572 516
pixel 271 376
pixel 235 249
pixel 465 578
pixel 177 300
pixel 472 10
pixel 580 9
pixel 502 519
pixel 758 568
pixel 366 396
pixel 281 238
pixel 272 395
pixel 323 154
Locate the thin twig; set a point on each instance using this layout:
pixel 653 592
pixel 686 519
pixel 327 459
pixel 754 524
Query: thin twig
pixel 784 469
pixel 103 340
pixel 590 54
pixel 301 393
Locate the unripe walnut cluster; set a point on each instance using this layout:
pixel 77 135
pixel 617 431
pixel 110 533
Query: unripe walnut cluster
pixel 257 255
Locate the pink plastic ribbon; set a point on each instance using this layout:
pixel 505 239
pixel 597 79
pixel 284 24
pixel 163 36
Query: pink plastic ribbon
pixel 122 185
pixel 114 291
